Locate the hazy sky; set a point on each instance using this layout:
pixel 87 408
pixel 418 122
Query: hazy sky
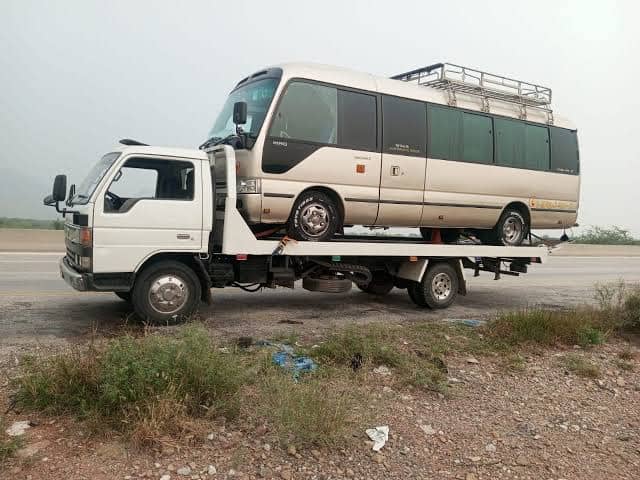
pixel 76 76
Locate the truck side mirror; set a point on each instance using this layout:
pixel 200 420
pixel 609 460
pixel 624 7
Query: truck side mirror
pixel 59 188
pixel 240 113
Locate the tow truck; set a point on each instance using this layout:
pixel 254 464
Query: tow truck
pixel 166 250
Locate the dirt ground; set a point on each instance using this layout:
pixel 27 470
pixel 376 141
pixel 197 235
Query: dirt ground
pixel 540 422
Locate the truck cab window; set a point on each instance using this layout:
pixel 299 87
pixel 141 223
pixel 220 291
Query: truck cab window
pixel 149 179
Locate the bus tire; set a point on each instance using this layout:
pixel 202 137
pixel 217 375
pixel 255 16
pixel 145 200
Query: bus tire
pixel 511 230
pixel 315 217
pixel 381 283
pixel 438 288
pixel 166 293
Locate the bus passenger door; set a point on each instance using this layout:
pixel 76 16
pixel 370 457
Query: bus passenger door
pixel 404 134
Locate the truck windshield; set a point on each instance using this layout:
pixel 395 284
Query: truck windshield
pixel 258 96
pixel 91 181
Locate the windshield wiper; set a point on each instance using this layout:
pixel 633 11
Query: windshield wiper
pixel 210 142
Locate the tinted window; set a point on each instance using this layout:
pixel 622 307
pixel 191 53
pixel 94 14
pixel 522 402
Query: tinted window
pixel 564 151
pixel 457 135
pixel 536 147
pixel 510 142
pixel 357 120
pixel 307 112
pixel 404 126
pixel 445 133
pixel 477 138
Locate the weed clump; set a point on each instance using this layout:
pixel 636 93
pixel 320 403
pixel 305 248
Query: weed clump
pixel 581 366
pixel 142 387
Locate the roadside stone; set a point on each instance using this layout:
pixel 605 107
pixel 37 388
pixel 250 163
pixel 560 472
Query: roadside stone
pixel 471 476
pixel 18 428
pixel 428 429
pixel 378 458
pixel 620 382
pixel 382 370
pixel 523 461
pixel 211 470
pixel 472 360
pixel 166 476
pixel 317 455
pixel 291 450
pixel 285 475
pixel 266 447
pixel 184 471
pixel 490 447
pixel 475 459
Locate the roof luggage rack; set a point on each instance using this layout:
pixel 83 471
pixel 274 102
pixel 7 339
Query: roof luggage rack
pixel 458 79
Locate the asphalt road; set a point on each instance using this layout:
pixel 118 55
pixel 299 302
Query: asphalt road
pixel 35 304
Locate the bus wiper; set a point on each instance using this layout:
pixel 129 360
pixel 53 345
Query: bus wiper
pixel 210 142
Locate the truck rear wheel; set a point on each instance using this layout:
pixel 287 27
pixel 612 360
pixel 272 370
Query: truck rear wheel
pixel 166 293
pixel 438 288
pixel 381 283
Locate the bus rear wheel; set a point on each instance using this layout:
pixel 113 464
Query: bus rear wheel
pixel 511 230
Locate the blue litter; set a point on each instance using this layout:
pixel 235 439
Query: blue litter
pixel 297 364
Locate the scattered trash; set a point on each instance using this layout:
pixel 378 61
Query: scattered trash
pixel 291 322
pixel 382 370
pixel 18 428
pixel 295 363
pixel 356 362
pixel 470 322
pixel 379 436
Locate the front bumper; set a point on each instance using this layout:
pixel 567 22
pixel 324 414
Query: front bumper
pixel 77 280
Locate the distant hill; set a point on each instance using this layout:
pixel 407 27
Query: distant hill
pixel 21 196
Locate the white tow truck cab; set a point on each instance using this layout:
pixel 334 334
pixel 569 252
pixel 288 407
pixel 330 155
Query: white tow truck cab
pixel 143 225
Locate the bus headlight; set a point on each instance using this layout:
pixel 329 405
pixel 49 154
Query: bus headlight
pixel 248 185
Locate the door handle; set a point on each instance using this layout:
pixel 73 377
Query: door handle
pixel 183 236
pixel 395 171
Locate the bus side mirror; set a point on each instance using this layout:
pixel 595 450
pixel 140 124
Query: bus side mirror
pixel 59 188
pixel 240 113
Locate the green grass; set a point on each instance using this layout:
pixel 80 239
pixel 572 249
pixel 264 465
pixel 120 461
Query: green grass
pixel 584 326
pixel 30 223
pixel 316 410
pixel 581 366
pixel 140 387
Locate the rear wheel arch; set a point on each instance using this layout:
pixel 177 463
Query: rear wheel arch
pixel 519 206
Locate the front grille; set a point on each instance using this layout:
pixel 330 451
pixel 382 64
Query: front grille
pixel 73 258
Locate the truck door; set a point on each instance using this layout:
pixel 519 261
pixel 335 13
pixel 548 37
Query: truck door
pixel 150 205
pixel 404 139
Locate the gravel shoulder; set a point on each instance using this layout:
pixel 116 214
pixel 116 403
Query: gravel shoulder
pixel 541 422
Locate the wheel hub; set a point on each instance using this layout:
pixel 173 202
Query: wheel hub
pixel 441 286
pixel 511 231
pixel 314 220
pixel 168 294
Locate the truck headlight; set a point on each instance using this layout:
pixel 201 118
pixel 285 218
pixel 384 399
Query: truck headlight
pixel 248 185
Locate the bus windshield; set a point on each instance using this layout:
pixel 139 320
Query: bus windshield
pixel 258 96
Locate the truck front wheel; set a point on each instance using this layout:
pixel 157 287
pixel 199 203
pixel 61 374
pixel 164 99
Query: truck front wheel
pixel 166 292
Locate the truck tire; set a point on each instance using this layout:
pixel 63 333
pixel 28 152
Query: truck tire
pixel 126 296
pixel 166 293
pixel 438 288
pixel 315 217
pixel 381 283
